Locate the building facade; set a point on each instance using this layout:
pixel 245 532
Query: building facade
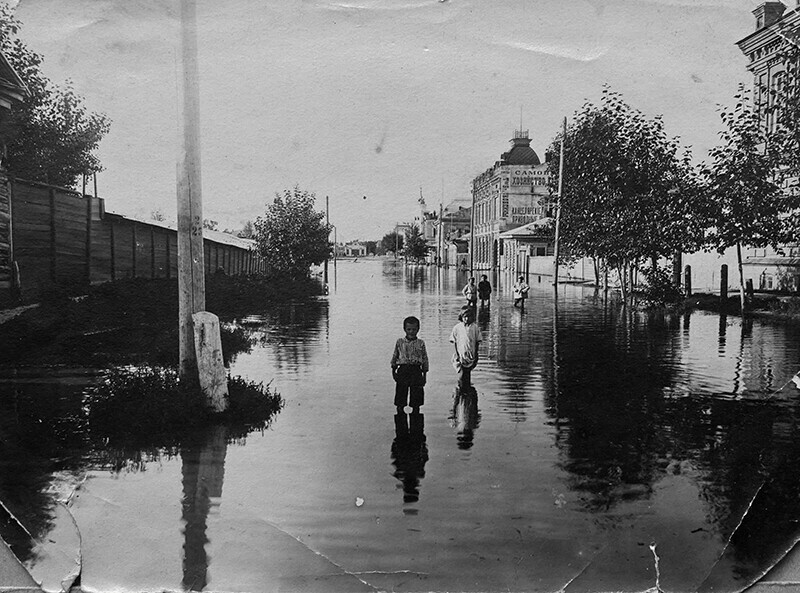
pixel 511 193
pixel 450 233
pixel 12 92
pixel 774 28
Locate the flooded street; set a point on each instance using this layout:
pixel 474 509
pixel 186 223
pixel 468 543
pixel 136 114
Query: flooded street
pixel 600 450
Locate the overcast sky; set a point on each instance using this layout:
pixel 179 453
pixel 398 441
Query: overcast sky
pixel 374 98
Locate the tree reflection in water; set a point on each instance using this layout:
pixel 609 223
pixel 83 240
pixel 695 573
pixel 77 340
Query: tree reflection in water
pixel 291 332
pixel 627 420
pixel 40 434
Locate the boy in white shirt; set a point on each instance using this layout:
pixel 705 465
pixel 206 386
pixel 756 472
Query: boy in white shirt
pixel 465 338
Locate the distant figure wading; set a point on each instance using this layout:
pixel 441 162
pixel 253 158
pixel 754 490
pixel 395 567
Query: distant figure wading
pixel 470 292
pixel 484 290
pixel 521 289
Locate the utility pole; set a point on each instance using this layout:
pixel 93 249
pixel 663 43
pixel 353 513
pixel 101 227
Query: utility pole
pixel 328 226
pixel 199 349
pixel 472 234
pixel 558 203
pixel 439 250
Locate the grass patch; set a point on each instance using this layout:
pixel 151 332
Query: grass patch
pixel 137 411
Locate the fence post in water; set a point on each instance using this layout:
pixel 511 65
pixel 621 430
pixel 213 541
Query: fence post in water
pixel 723 284
pixel 211 369
pixel 687 280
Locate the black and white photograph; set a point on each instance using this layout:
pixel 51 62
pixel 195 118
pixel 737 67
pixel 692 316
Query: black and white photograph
pixel 403 296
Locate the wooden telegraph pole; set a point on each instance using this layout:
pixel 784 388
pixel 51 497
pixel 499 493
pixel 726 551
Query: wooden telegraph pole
pixel 328 225
pixel 441 242
pixel 199 349
pixel 191 264
pixel 558 203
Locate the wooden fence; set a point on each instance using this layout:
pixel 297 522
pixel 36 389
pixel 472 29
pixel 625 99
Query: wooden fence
pixel 60 238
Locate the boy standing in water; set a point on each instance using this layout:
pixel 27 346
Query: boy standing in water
pixel 484 290
pixel 409 368
pixel 470 292
pixel 465 338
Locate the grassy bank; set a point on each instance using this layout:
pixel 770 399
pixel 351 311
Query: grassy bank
pixel 136 321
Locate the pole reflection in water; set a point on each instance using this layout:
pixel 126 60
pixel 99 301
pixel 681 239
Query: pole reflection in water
pixel 465 417
pixel 409 454
pixel 203 471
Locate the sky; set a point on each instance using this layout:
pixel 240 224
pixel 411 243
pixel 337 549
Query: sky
pixel 370 102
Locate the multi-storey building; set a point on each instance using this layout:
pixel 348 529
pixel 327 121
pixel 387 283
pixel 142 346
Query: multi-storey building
pixel 774 28
pixel 509 194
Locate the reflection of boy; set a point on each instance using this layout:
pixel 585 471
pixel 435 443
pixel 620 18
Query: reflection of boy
pixel 409 367
pixel 465 416
pixel 465 338
pixel 409 453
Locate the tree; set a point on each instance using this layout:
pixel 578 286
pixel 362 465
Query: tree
pixel 628 196
pixel 392 241
pixel 747 204
pixel 158 215
pixel 51 137
pixel 416 247
pixel 247 230
pixel 210 225
pixel 291 235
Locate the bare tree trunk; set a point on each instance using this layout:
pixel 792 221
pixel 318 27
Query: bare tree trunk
pixel 741 276
pixel 596 266
pixel 623 280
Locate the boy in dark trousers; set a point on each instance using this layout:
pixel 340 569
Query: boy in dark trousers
pixel 484 290
pixel 409 368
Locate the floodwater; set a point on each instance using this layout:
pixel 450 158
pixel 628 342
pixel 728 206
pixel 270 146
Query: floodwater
pixel 600 450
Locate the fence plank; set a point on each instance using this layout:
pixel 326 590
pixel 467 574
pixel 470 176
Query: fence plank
pixel 52 235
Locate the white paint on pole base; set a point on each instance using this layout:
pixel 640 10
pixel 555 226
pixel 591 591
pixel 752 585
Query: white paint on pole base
pixel 210 367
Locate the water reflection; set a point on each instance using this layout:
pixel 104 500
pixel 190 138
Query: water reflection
pixel 409 454
pixel 203 471
pixel 290 332
pixel 638 428
pixel 40 435
pixel 465 416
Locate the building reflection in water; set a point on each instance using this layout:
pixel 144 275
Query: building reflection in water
pixel 203 471
pixel 409 453
pixel 465 417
